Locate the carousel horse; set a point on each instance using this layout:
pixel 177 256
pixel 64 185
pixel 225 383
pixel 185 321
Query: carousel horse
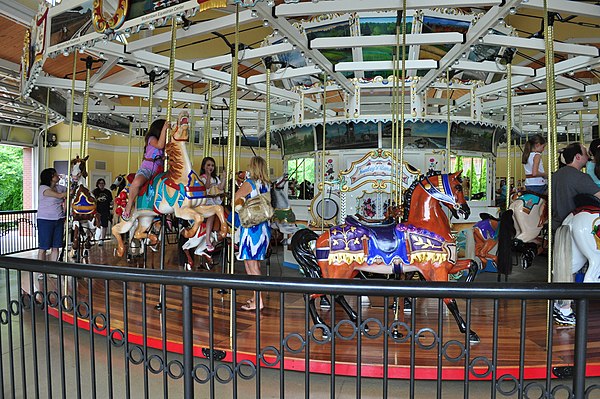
pixel 423 243
pixel 121 182
pixel 178 191
pixel 529 215
pixel 84 217
pixel 577 241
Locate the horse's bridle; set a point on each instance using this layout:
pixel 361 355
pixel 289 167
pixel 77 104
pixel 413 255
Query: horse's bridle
pixel 441 192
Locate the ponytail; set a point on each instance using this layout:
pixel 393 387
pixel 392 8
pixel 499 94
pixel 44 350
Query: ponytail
pixel 526 152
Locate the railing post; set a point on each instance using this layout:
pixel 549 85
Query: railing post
pixel 580 347
pixel 188 355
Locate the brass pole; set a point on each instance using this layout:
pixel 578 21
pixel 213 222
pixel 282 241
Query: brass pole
pixel 581 135
pixel 86 98
pixel 207 123
pixel 402 107
pixel 140 146
pixel 46 135
pixel 323 152
pixel 150 98
pixel 70 156
pixel 448 120
pixel 508 129
pixel 231 150
pixel 268 121
pixel 171 80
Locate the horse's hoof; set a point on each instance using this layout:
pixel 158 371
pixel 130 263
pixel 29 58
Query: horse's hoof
pixel 187 266
pixel 474 338
pixel 408 305
pixel 325 304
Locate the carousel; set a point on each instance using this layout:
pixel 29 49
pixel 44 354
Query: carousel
pixel 386 127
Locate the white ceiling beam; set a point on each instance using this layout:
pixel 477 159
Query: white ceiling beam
pixel 17 12
pixel 534 98
pixel 539 44
pixel 564 6
pixel 285 73
pixel 559 68
pixel 247 54
pixel 104 69
pixel 492 67
pixel 349 6
pixel 385 40
pixel 480 29
pixel 201 28
pixel 570 83
pixel 383 65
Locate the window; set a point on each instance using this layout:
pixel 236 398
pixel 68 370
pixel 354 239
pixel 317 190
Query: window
pixel 301 173
pixel 474 175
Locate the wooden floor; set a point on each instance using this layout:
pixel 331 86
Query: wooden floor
pixel 344 352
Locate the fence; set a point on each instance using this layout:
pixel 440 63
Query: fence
pixel 18 231
pixel 150 333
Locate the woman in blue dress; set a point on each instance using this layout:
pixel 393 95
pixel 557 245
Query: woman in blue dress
pixel 254 240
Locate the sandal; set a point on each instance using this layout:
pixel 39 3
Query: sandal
pixel 126 216
pixel 210 247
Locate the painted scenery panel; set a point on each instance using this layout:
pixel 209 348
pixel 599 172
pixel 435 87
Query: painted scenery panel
pixel 348 135
pixel 71 24
pixel 298 140
pixel 472 137
pixel 426 134
pixel 440 25
pixel 335 55
pixel 115 123
pixel 376 26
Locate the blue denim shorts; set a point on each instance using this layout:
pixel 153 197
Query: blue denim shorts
pixel 50 233
pixel 147 173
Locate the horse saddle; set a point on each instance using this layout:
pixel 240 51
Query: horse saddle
pixel 530 200
pixel 384 241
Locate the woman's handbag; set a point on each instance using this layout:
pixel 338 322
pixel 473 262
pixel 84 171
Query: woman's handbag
pixel 256 210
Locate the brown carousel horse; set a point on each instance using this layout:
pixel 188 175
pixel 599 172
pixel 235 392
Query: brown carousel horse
pixel 84 217
pixel 179 191
pixel 423 243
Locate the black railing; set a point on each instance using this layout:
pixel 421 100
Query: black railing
pixel 123 345
pixel 18 231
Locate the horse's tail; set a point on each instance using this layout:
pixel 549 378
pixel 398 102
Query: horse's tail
pixel 303 253
pixel 562 270
pixel 506 233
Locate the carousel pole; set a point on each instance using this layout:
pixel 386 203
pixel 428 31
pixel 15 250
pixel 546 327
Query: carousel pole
pixel 323 152
pixel 508 130
pixel 70 156
pixel 207 125
pixel 45 163
pixel 268 121
pixel 448 120
pixel 192 141
pixel 581 135
pixel 552 154
pixel 231 152
pixel 141 148
pixel 394 112
pixel 86 97
pixel 402 107
pixel 162 306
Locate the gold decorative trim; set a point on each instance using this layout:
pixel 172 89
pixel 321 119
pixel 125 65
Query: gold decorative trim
pixel 103 21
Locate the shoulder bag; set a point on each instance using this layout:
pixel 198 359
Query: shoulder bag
pixel 256 210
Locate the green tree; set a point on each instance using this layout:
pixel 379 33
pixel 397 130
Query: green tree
pixel 11 178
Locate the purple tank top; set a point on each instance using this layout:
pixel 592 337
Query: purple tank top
pixel 152 157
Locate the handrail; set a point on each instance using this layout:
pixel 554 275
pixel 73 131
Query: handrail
pixel 305 285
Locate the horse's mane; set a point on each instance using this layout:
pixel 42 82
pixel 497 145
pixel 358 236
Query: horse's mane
pixel 409 191
pixel 175 160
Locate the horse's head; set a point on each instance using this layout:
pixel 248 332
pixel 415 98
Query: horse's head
pixel 78 168
pixel 117 183
pixel 181 132
pixel 447 188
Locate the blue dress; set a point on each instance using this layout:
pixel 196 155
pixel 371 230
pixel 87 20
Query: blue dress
pixel 254 240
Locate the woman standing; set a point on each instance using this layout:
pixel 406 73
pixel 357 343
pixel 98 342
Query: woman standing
pixel 51 214
pixel 535 176
pixel 254 240
pixel 103 203
pixel 593 166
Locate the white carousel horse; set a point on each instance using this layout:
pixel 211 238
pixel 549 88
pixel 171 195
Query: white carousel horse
pixel 577 242
pixel 178 191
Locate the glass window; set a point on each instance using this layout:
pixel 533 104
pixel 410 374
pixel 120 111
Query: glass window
pixel 474 175
pixel 301 173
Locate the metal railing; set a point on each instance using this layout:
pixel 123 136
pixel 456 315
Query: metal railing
pixel 151 333
pixel 18 231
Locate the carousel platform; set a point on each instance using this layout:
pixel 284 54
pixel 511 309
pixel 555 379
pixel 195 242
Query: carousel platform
pixel 279 320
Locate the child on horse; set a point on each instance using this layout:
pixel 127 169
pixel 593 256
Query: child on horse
pixel 154 151
pixel 532 163
pixel 208 175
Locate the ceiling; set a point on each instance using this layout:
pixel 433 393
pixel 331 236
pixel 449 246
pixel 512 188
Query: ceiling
pixel 119 82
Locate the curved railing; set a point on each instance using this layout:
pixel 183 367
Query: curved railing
pixel 18 231
pixel 161 327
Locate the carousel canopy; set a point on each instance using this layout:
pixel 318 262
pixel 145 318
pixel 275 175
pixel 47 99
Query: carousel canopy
pixel 354 50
